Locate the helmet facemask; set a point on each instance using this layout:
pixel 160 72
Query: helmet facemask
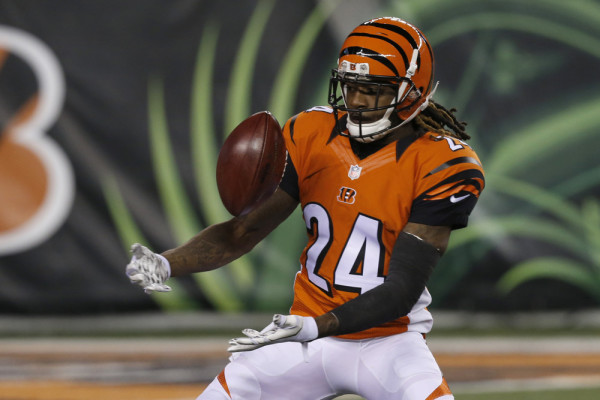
pixel 360 126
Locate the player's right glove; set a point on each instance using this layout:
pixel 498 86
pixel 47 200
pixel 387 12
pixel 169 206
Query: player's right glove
pixel 148 269
pixel 284 328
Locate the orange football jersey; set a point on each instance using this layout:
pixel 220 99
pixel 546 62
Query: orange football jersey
pixel 354 209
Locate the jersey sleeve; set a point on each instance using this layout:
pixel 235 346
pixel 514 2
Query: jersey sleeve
pixel 299 133
pixel 449 189
pixel 289 182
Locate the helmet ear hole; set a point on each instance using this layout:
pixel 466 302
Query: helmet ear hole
pixel 413 95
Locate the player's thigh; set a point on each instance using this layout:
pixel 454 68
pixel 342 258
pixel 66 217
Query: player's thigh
pixel 401 366
pixel 215 391
pixel 278 371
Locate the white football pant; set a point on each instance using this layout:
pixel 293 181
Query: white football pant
pixel 398 367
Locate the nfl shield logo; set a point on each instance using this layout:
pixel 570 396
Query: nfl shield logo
pixel 354 172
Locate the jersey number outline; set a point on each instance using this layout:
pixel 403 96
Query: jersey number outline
pixel 360 265
pixel 452 142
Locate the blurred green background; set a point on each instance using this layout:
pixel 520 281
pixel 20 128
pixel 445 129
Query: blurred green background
pixel 152 90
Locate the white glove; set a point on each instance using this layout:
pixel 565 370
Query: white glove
pixel 284 328
pixel 148 269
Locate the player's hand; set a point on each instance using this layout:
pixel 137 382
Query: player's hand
pixel 284 328
pixel 148 269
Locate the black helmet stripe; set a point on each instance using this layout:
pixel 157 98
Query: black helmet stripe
pixel 400 50
pixel 371 54
pixel 396 29
pixel 402 32
pixel 406 35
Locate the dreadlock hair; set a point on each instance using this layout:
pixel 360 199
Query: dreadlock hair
pixel 436 118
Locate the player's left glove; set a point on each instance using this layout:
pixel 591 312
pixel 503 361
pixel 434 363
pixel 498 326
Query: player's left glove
pixel 284 328
pixel 148 269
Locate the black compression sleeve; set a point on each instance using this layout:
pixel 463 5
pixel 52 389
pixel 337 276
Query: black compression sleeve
pixel 411 264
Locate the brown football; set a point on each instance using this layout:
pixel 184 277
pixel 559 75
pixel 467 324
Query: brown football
pixel 251 163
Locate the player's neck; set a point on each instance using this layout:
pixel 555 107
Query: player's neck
pixel 399 132
pixel 363 150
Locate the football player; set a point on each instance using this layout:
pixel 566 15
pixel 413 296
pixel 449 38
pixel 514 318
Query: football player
pixel 383 175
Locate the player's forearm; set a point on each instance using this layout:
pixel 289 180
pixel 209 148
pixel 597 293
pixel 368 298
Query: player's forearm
pixel 222 243
pixel 327 324
pixel 212 248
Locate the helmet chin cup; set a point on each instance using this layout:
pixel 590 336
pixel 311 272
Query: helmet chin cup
pixel 371 131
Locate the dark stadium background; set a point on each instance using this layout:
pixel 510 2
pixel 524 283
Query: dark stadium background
pixel 524 75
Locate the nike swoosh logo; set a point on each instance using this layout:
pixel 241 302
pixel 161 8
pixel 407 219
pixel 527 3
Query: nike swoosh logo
pixel 454 199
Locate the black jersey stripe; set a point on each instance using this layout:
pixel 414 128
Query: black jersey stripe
pixel 465 182
pixel 292 123
pixel 403 143
pixel 289 181
pixel 470 177
pixel 340 126
pixel 454 161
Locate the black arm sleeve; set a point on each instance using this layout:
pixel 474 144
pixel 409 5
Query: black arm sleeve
pixel 411 264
